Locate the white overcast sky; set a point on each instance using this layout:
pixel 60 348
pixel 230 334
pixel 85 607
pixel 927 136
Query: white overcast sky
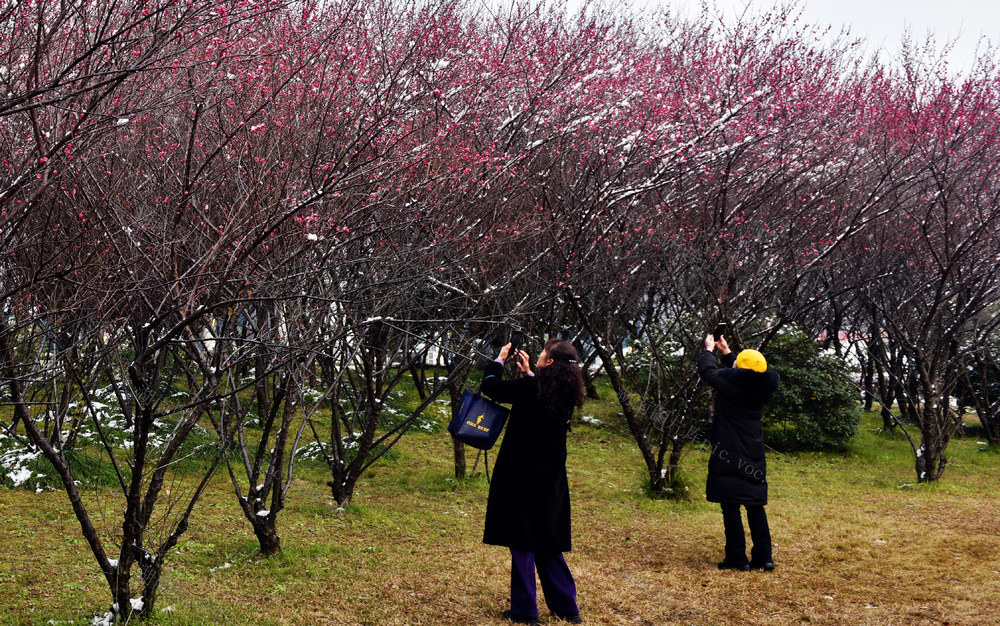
pixel 882 22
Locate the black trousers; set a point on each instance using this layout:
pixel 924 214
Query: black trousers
pixel 736 543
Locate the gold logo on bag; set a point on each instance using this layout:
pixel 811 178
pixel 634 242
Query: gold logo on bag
pixel 476 425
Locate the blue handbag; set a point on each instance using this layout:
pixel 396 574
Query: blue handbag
pixel 478 421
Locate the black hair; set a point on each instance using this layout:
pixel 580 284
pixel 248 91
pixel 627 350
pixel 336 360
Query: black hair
pixel 560 384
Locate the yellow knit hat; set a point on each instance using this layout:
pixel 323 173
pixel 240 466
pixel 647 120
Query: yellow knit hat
pixel 751 360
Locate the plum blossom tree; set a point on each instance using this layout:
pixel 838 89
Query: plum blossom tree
pixel 152 243
pixel 936 278
pixel 717 208
pixel 263 217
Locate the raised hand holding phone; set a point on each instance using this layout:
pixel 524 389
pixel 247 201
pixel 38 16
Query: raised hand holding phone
pixel 515 339
pixel 720 330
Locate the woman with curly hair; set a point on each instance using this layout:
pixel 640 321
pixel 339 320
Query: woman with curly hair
pixel 528 508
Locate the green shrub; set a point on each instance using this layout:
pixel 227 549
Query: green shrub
pixel 816 407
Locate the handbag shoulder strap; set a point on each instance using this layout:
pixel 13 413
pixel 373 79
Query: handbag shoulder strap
pixel 486 463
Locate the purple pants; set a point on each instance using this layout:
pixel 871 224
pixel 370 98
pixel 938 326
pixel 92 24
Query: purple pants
pixel 557 583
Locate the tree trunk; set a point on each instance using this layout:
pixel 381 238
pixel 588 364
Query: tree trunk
pixel 122 592
pixel 674 463
pixel 888 423
pixel 588 383
pixel 886 395
pixel 656 481
pixel 628 410
pixel 935 429
pixel 267 536
pixel 459 452
pixel 458 448
pixel 930 462
pixel 150 585
pixel 991 426
pixel 669 481
pixel 342 492
pixel 588 377
pixel 419 382
pixel 867 382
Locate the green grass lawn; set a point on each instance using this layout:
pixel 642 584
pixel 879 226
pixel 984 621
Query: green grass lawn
pixel 855 543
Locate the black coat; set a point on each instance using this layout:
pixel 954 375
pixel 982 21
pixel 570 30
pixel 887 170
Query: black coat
pixel 737 473
pixel 528 507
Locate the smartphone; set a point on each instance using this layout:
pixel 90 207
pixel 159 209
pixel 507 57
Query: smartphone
pixel 720 330
pixel 515 340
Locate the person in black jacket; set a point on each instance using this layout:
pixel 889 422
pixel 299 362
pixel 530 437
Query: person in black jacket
pixel 737 473
pixel 528 507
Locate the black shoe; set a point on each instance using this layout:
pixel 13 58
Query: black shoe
pixel 517 618
pixel 572 618
pixel 743 567
pixel 765 567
